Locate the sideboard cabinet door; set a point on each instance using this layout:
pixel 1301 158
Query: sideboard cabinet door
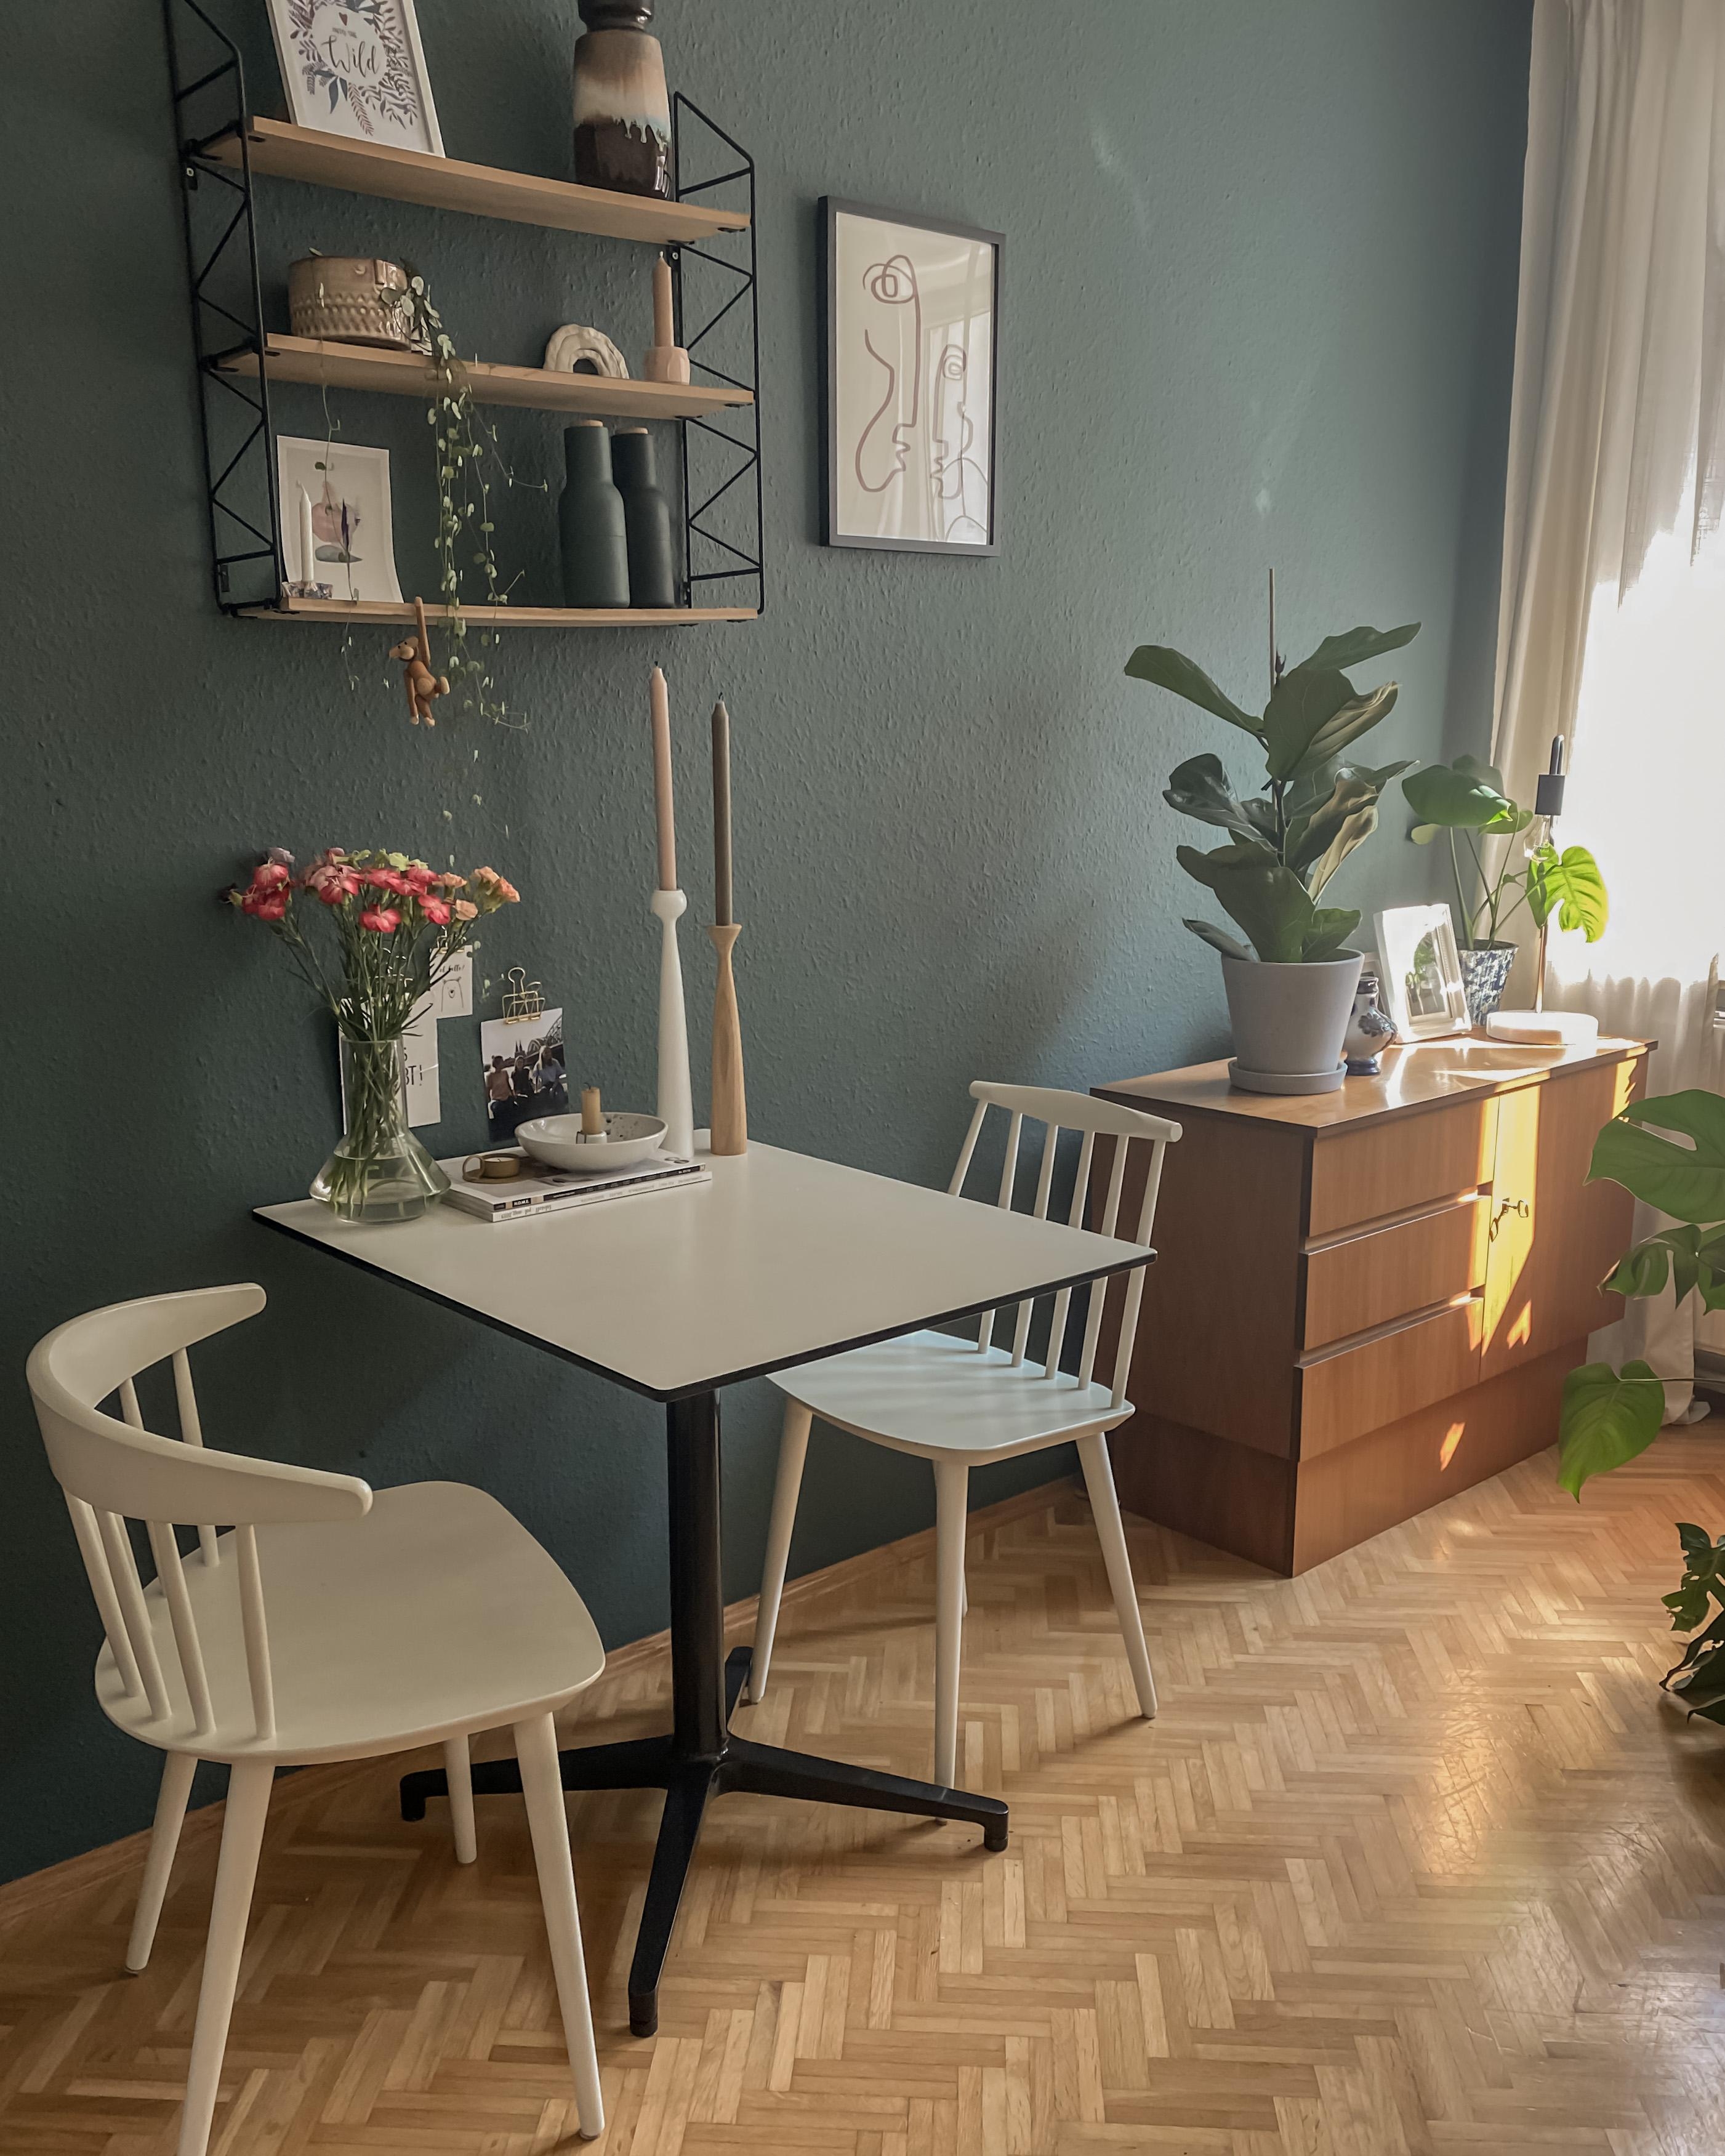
pixel 1553 1235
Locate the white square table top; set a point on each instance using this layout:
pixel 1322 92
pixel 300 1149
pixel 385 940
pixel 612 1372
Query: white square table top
pixel 781 1259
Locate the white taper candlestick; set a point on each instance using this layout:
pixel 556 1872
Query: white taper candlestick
pixel 676 1098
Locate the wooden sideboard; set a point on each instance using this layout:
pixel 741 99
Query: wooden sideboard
pixel 1365 1301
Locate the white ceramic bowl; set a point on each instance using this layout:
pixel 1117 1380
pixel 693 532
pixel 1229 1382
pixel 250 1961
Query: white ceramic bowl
pixel 556 1140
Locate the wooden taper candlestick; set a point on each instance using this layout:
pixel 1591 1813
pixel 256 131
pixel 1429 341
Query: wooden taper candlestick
pixel 666 360
pixel 730 1108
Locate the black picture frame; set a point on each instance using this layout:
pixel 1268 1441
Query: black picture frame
pixel 830 209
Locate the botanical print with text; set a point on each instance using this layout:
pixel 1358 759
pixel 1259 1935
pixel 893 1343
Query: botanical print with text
pixel 357 53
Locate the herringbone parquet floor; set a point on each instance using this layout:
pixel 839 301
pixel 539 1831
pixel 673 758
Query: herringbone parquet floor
pixel 1414 1860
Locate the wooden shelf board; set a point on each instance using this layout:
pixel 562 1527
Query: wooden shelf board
pixel 390 611
pixel 408 374
pixel 374 168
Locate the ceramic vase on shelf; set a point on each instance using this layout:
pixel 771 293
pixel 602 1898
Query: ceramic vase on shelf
pixel 1484 976
pixel 379 1172
pixel 591 529
pixel 652 563
pixel 622 138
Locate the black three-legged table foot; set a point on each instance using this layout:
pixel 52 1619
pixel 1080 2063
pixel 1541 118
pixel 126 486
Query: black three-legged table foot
pixel 700 1759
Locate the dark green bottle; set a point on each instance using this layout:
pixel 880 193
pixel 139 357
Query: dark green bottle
pixel 652 561
pixel 591 526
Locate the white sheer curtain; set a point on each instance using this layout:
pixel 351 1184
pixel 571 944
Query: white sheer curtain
pixel 1612 631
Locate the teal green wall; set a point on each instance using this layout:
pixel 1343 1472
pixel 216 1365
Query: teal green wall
pixel 1258 308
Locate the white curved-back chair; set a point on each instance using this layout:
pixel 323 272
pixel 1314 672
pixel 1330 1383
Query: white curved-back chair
pixel 961 1403
pixel 330 1624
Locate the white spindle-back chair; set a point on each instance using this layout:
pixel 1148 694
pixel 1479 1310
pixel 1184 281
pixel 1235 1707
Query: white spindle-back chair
pixel 961 1403
pixel 329 1623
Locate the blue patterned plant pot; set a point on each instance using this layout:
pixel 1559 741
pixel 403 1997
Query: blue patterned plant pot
pixel 1484 975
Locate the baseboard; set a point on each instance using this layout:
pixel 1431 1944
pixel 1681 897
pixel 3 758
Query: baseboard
pixel 77 1874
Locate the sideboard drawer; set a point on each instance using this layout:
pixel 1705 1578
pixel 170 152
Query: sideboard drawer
pixel 1344 1394
pixel 1386 1166
pixel 1390 1272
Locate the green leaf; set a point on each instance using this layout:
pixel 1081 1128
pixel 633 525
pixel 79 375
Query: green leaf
pixel 1447 797
pixel 1313 834
pixel 1336 653
pixel 1350 722
pixel 1301 707
pixel 1642 1271
pixel 1199 788
pixel 1331 927
pixel 1686 1182
pixel 1570 885
pixel 1688 1605
pixel 1173 670
pixel 1607 1416
pixel 1218 939
pixel 1702 1687
pixel 1259 895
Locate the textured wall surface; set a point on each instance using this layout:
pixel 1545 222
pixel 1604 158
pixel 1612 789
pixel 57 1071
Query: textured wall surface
pixel 1259 297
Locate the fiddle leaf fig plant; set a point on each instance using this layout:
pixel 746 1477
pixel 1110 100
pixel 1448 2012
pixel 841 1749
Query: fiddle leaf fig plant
pixel 1468 797
pixel 1315 806
pixel 1670 1151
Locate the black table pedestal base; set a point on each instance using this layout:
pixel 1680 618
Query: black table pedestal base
pixel 700 1758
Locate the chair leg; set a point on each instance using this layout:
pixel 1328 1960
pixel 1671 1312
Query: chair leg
pixel 792 1451
pixel 1104 1506
pixel 951 1502
pixel 236 1869
pixel 177 1769
pixel 536 1745
pixel 459 1773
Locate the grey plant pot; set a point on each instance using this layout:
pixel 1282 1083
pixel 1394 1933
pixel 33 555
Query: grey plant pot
pixel 1289 1020
pixel 1485 975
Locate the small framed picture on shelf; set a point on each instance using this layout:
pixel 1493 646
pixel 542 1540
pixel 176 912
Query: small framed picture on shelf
pixel 1422 972
pixel 335 524
pixel 911 315
pixel 356 69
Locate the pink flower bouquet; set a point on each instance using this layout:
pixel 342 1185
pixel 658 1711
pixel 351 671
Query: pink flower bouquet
pixel 391 927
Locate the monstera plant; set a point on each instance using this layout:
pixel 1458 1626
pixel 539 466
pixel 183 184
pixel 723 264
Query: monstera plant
pixel 1467 796
pixel 1670 1151
pixel 1315 806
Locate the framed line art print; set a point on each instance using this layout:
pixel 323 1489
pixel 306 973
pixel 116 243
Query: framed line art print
pixel 911 320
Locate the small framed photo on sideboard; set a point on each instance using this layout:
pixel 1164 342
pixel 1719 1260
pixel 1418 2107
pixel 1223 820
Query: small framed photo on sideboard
pixel 1421 971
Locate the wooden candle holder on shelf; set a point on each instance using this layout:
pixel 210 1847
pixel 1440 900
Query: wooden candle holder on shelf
pixel 730 1108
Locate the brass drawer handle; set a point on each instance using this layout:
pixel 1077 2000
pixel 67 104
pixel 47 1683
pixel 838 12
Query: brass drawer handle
pixel 1518 1206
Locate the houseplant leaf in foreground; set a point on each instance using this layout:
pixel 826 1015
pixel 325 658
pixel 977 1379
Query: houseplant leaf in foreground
pixel 1608 1417
pixel 1686 1182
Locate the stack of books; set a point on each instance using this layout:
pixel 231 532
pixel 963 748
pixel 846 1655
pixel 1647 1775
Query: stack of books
pixel 538 1190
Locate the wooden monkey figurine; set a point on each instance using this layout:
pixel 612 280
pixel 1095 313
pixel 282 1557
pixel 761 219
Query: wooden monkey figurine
pixel 422 685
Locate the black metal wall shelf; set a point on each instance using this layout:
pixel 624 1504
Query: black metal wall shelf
pixel 223 149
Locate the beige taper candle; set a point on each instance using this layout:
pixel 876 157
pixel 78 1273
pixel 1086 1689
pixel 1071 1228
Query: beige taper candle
pixel 659 698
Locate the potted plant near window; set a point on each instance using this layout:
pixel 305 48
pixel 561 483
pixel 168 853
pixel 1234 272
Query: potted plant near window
pixel 1290 983
pixel 1467 796
pixel 1670 1151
